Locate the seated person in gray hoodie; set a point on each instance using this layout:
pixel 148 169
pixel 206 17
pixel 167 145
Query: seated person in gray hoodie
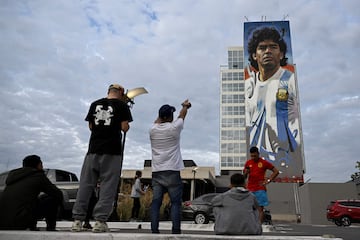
pixel 236 211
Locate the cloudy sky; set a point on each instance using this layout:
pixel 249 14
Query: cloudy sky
pixel 59 56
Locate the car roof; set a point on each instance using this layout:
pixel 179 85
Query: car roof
pixel 206 195
pixel 347 200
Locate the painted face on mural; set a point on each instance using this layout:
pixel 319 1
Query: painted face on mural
pixel 268 55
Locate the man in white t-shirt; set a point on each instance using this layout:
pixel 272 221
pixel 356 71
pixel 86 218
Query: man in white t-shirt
pixel 167 163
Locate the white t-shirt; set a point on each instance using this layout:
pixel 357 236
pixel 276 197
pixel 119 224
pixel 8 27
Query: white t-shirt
pixel 165 146
pixel 261 100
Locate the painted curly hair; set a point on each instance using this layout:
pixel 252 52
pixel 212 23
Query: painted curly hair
pixel 266 33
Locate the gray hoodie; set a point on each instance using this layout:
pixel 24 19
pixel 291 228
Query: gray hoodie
pixel 236 213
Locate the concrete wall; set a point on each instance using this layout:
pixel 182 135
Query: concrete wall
pixel 282 203
pixel 315 197
pixel 281 198
pixel 313 200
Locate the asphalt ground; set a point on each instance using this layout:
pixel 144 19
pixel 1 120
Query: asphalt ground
pixel 141 230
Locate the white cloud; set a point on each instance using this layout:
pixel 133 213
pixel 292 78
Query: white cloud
pixel 57 57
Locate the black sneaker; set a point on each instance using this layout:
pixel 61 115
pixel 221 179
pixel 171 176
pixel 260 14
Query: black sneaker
pixel 87 225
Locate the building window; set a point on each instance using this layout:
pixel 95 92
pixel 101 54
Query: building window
pixel 232 122
pixel 233 110
pixel 233 87
pixel 233 98
pixel 232 135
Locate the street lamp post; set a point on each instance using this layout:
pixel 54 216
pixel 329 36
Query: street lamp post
pixel 193 183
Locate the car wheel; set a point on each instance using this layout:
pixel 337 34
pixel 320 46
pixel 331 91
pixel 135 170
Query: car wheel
pixel 201 218
pixel 338 223
pixel 345 221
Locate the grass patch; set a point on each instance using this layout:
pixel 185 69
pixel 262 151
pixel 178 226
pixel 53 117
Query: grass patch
pixel 125 204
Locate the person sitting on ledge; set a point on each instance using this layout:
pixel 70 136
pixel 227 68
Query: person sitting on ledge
pixel 236 211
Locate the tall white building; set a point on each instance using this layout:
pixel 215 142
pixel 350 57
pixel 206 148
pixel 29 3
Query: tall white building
pixel 232 112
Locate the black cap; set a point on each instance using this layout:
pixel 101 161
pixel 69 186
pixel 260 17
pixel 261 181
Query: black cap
pixel 166 111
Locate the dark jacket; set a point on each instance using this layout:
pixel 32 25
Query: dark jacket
pixel 236 213
pixel 20 197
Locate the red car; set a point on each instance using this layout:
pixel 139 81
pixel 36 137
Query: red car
pixel 343 212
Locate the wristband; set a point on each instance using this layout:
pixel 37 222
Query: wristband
pixel 187 106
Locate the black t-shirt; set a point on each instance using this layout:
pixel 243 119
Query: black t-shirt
pixel 105 116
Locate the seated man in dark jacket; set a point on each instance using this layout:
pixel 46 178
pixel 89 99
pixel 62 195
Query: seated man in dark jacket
pixel 236 211
pixel 20 204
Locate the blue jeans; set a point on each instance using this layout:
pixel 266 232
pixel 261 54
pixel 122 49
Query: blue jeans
pixel 162 182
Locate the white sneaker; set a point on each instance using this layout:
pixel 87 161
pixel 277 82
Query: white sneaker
pixel 100 227
pixel 76 226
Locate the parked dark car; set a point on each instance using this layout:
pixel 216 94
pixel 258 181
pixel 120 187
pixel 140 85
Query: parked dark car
pixel 66 181
pixel 343 212
pixel 199 209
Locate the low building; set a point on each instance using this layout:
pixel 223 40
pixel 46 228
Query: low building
pixel 197 180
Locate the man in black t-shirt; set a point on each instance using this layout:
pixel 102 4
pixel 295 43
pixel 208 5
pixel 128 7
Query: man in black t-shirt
pixel 107 117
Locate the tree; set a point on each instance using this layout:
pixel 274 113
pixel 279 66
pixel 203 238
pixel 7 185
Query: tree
pixel 357 174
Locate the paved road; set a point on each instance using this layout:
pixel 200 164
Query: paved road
pixel 331 230
pixel 293 229
pixel 126 230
